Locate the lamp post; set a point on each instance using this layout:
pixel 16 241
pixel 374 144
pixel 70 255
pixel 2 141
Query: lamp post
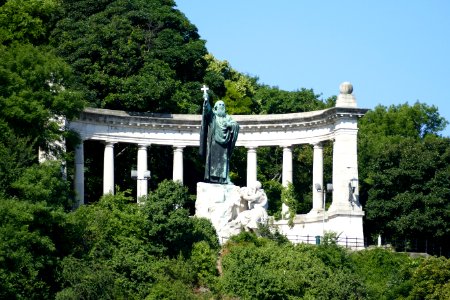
pixel 141 185
pixel 354 184
pixel 324 191
pixel 134 175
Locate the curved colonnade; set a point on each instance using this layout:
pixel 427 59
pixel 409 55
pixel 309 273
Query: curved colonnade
pixel 338 124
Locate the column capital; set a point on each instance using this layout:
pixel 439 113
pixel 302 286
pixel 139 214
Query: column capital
pixel 251 148
pixel 318 145
pixel 287 148
pixel 83 137
pixel 143 145
pixel 109 143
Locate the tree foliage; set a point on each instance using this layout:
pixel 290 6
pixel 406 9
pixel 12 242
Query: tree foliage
pixel 169 227
pixel 146 56
pixel 27 21
pixel 405 172
pixel 132 55
pixel 272 100
pixel 235 89
pixel 431 280
pixel 387 274
pixel 32 240
pixel 131 251
pixel 263 269
pixel 16 154
pixel 35 89
pixel 416 121
pixel 45 183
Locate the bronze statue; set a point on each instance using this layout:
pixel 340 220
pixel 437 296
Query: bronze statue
pixel 218 137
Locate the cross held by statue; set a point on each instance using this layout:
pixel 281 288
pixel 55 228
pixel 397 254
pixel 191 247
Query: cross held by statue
pixel 204 89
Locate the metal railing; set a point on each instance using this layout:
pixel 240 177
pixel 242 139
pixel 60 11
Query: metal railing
pixel 428 246
pixel 347 242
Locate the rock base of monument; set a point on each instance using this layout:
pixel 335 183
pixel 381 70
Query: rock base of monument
pixel 219 203
pixel 230 208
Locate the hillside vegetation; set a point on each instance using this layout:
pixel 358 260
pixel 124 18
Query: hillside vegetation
pixel 59 56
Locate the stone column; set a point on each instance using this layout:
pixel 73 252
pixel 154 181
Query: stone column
pixel 286 174
pixel 178 163
pixel 318 177
pixel 79 174
pixel 108 168
pixel 251 166
pixel 287 166
pixel 142 182
pixel 345 165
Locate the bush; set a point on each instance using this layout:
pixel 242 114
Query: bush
pixel 431 280
pixel 386 274
pixel 204 262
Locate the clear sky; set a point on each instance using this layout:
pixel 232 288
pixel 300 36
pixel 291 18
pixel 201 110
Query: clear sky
pixel 392 52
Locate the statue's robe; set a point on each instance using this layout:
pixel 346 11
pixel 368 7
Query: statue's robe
pixel 217 141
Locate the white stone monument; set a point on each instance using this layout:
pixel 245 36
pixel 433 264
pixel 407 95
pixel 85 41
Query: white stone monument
pixel 230 208
pixel 337 124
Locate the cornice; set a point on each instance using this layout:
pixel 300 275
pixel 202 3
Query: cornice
pixel 191 123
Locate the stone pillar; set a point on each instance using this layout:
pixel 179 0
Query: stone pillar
pixel 287 166
pixel 79 174
pixel 251 166
pixel 318 177
pixel 142 182
pixel 286 174
pixel 345 165
pixel 108 168
pixel 178 163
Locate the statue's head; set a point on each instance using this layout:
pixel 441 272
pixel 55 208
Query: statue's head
pixel 257 185
pixel 219 108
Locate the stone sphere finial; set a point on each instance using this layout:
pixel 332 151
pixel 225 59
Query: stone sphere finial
pixel 346 98
pixel 346 88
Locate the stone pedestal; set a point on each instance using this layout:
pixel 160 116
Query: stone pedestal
pixel 219 203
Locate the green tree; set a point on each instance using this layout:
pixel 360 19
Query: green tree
pixel 133 55
pixel 257 268
pixel 235 89
pixel 33 239
pixel 27 20
pixel 168 225
pixel 45 183
pixel 403 120
pixel 405 172
pixel 387 274
pixel 431 279
pixel 121 249
pixel 272 100
pixel 35 89
pixel 15 156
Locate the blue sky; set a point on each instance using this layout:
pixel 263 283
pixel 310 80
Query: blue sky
pixel 392 52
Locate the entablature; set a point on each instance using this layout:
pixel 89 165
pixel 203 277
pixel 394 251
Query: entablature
pixel 179 129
